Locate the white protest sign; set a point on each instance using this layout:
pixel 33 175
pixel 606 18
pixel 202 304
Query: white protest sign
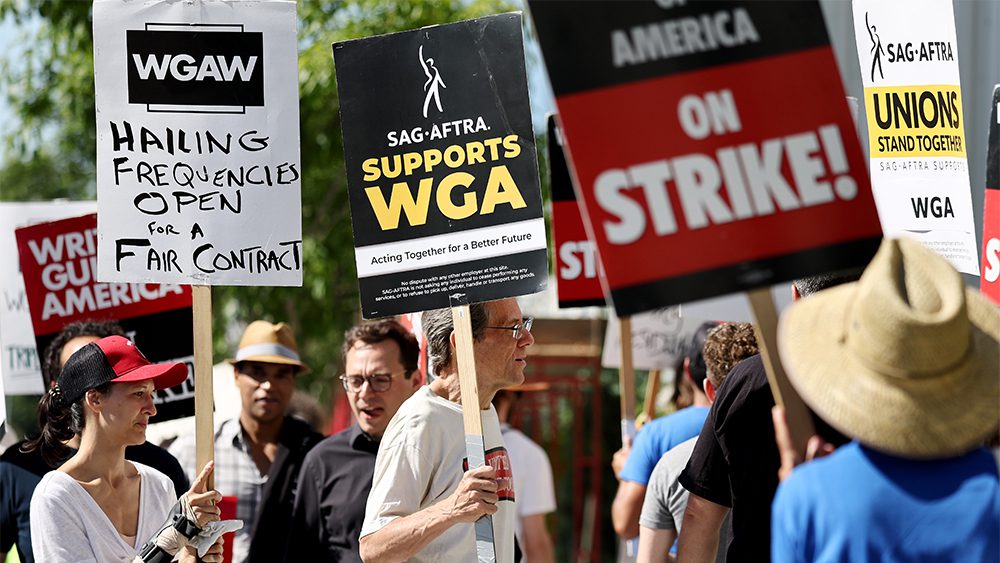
pixel 19 361
pixel 734 308
pixel 3 410
pixel 913 100
pixel 198 173
pixel 660 337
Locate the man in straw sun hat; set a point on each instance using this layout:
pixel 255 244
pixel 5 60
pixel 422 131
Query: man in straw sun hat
pixel 905 361
pixel 259 454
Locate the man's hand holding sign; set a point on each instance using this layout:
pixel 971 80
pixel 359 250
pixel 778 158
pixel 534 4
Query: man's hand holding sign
pixel 446 209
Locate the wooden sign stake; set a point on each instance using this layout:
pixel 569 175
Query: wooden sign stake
pixel 652 390
pixel 204 427
pixel 626 387
pixel 475 447
pixel 766 326
pixel 626 379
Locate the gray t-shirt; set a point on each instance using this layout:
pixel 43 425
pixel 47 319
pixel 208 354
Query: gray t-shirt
pixel 666 500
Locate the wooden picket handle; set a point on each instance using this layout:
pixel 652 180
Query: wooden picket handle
pixel 652 390
pixel 626 388
pixel 471 416
pixel 204 426
pixel 765 315
pixel 475 447
pixel 626 379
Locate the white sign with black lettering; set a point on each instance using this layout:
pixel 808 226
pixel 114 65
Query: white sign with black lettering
pixel 908 53
pixel 198 172
pixel 660 337
pixel 19 362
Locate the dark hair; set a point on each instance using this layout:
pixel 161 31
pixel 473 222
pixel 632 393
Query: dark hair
pixel 437 325
pixel 50 359
pixel 727 345
pixel 59 422
pixel 682 396
pixel 381 330
pixel 696 354
pixel 813 284
pixel 505 394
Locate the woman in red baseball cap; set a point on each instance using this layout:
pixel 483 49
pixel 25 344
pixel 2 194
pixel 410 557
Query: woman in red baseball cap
pixel 98 506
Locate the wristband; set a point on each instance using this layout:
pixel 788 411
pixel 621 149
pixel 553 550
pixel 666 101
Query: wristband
pixel 184 526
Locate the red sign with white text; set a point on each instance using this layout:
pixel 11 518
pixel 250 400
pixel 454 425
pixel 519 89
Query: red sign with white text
pixel 576 263
pixel 59 260
pixel 59 265
pixel 989 282
pixel 989 278
pixel 714 166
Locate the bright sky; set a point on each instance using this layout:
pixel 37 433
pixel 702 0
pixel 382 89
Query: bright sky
pixel 7 35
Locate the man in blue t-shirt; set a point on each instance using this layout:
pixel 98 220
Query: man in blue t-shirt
pixel 905 362
pixel 657 438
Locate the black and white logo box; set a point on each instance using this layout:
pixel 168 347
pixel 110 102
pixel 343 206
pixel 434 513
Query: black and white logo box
pixel 198 165
pixel 209 68
pixel 441 166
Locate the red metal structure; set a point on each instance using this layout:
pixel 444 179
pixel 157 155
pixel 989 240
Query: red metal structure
pixel 566 420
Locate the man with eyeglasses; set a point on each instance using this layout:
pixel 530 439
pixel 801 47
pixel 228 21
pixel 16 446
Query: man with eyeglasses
pixel 380 364
pixel 423 502
pixel 259 454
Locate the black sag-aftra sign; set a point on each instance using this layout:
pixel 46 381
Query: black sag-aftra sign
pixel 212 66
pixel 441 165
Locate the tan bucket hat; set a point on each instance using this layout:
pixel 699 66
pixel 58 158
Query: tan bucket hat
pixel 269 343
pixel 906 360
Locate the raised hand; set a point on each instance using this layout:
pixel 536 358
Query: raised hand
pixel 202 500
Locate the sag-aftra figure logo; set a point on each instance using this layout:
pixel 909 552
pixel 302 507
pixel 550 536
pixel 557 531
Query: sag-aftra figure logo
pixel 433 83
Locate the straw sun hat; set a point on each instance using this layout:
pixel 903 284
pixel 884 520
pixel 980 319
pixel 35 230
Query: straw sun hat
pixel 269 343
pixel 906 360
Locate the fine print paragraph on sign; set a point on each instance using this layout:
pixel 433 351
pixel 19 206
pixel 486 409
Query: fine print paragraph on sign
pixel 457 281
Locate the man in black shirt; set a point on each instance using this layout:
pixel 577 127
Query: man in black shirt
pixel 735 461
pixel 380 361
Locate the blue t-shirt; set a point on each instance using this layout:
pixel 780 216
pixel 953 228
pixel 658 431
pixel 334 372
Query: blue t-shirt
pixel 860 505
pixel 657 438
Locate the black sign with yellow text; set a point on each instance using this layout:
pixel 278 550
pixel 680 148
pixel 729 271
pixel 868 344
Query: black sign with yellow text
pixel 441 166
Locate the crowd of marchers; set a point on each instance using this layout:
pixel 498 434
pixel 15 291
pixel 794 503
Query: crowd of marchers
pixel 899 366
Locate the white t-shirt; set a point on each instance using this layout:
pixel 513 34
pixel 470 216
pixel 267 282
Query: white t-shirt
pixel 421 460
pixel 67 525
pixel 533 485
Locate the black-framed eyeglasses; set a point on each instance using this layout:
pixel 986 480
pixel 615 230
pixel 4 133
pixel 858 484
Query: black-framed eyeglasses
pixel 379 382
pixel 519 329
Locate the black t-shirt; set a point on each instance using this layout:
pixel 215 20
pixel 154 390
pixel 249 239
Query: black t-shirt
pixel 735 461
pixel 331 496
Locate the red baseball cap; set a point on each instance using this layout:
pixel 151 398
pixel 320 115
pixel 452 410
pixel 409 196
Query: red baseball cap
pixel 113 359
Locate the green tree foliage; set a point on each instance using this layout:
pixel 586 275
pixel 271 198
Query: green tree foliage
pixel 49 84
